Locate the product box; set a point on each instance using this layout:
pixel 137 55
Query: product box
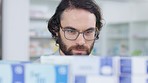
pixel 85 65
pixel 33 73
pixel 95 79
pixel 133 66
pixel 140 65
pixel 5 73
pixel 10 62
pixel 56 59
pixel 94 65
pixel 133 79
pixel 44 73
pixel 94 69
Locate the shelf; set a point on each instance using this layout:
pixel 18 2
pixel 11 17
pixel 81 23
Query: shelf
pixel 43 1
pixel 41 41
pixel 41 37
pixel 117 37
pixel 138 37
pixel 46 18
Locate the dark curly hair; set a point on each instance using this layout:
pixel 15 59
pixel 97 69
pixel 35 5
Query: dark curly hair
pixel 88 5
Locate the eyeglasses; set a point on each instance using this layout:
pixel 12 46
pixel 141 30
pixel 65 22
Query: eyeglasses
pixel 72 34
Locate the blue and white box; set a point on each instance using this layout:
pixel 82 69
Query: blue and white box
pixel 94 67
pixel 12 73
pixel 133 66
pixel 33 73
pixel 133 79
pixel 107 66
pixel 44 73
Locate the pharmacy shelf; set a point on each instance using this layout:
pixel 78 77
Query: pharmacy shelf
pixel 41 42
pixel 39 18
pixel 40 37
pixel 128 39
pixel 139 36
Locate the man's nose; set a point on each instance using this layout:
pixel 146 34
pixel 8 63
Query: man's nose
pixel 80 40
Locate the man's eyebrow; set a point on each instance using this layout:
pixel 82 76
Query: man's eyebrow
pixel 91 28
pixel 69 27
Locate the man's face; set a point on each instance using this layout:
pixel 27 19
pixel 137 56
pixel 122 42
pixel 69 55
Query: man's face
pixel 79 20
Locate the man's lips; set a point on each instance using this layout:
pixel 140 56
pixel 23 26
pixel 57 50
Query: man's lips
pixel 79 51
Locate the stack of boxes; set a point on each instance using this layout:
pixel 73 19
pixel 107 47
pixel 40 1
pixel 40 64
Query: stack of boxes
pixel 96 69
pixel 70 69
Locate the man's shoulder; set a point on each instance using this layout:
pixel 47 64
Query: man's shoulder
pixel 52 54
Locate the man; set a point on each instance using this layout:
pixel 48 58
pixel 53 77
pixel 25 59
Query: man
pixel 75 26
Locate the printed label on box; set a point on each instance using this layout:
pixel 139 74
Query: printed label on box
pixel 95 79
pixel 125 66
pixel 80 79
pixel 106 66
pixel 41 73
pixel 85 66
pixel 61 74
pixel 125 79
pixel 18 73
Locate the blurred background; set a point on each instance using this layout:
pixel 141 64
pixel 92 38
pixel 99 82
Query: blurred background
pixel 24 35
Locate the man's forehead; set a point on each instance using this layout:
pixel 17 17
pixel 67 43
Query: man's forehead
pixel 78 19
pixel 74 12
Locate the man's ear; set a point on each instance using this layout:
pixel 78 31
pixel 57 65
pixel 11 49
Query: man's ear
pixel 56 34
pixel 57 38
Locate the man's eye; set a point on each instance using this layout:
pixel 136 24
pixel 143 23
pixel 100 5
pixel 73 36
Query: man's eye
pixel 89 31
pixel 71 31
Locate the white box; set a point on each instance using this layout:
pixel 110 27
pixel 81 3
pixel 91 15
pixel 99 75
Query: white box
pixel 95 79
pixel 140 79
pixel 140 65
pixel 85 65
pixel 56 59
pixel 5 73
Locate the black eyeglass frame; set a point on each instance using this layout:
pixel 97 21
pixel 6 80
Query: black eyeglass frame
pixel 95 38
